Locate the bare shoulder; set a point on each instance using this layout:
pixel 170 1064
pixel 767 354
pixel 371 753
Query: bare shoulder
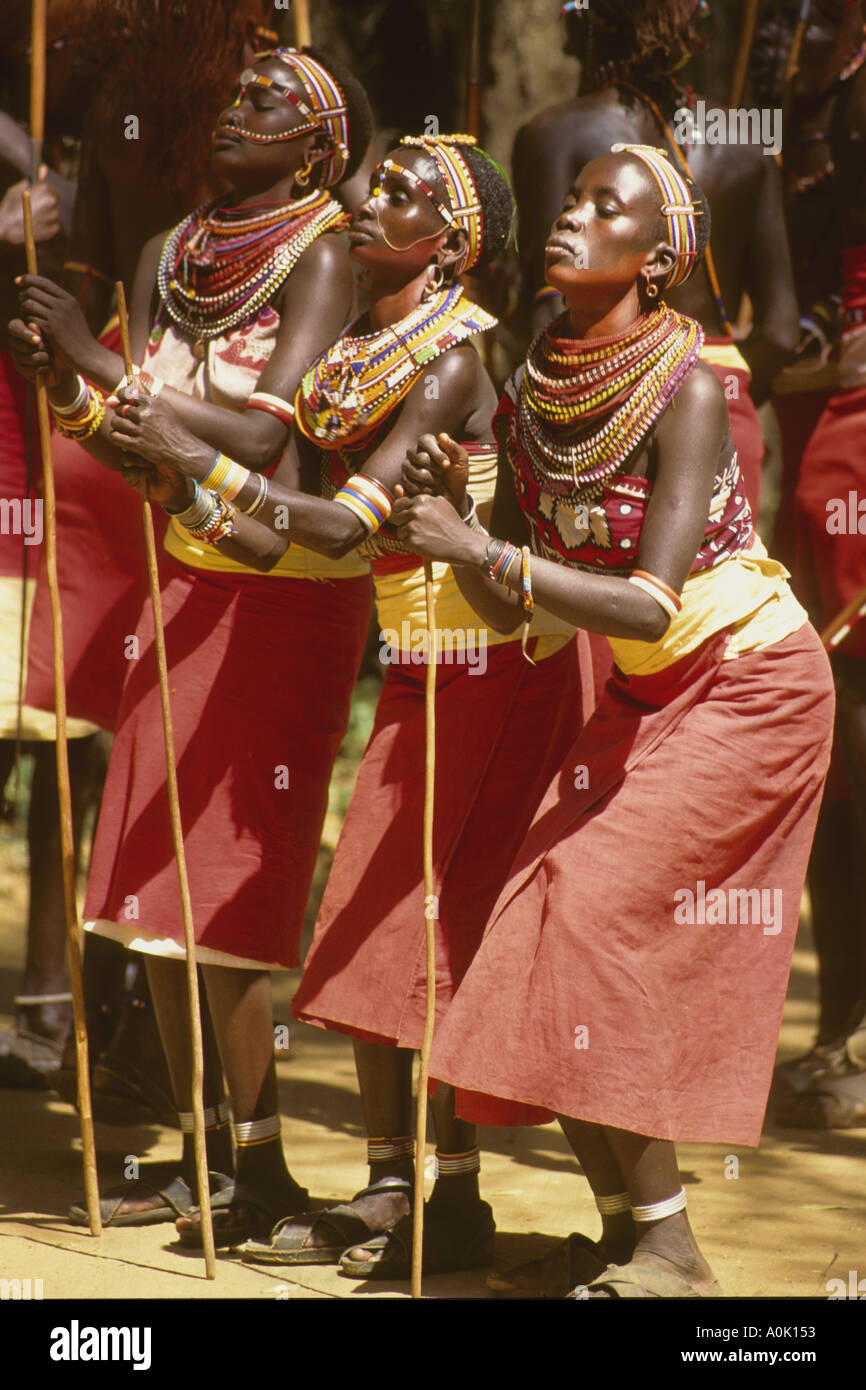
pixel 327 255
pixel 575 122
pixel 699 405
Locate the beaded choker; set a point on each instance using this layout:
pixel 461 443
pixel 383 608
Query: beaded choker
pixel 585 405
pixel 358 382
pixel 220 265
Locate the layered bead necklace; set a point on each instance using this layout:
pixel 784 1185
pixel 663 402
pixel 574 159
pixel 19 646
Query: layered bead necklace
pixel 357 382
pixel 627 380
pixel 220 265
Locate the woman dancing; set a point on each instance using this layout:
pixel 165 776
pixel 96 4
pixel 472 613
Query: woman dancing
pixel 632 975
pixel 249 290
pixel 437 207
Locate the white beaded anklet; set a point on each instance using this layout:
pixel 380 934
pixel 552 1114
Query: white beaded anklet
pixel 657 1211
pixel 214 1118
pixel 384 1150
pixel 614 1204
pixel 455 1165
pixel 250 1132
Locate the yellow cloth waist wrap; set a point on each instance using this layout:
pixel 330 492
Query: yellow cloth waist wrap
pixel 748 593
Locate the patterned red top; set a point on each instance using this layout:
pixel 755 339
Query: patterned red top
pixel 604 533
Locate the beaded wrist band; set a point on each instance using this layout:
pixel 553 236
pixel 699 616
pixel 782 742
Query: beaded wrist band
pixel 367 499
pixel 271 405
pixel 219 523
pixel 198 509
pixel 664 595
pixel 87 421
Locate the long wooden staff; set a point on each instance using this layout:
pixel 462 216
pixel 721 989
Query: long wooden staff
pixel 201 1163
pixel 67 839
pixel 793 62
pixel 430 914
pixel 747 33
pixel 303 33
pixel 842 624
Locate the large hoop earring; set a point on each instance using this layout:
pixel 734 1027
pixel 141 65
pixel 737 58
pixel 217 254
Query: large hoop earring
pixel 434 283
pixel 303 175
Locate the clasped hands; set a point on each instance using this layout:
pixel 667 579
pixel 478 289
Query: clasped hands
pixel 432 500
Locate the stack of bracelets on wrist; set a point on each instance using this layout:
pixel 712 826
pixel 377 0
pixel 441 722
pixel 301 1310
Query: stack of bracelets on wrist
pixel 207 517
pixel 666 597
pixel 228 479
pixel 500 559
pixel 83 416
pixel 219 522
pixel 367 499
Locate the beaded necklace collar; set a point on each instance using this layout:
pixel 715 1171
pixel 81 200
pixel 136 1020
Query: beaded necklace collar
pixel 352 387
pixel 584 405
pixel 220 265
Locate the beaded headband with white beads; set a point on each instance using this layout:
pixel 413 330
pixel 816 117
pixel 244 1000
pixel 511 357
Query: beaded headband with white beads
pixel 677 208
pixel 463 200
pixel 327 109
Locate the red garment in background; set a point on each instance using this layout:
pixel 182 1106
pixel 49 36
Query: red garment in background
pixel 103 582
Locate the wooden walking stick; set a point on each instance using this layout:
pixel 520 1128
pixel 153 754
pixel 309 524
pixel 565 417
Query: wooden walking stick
pixel 67 838
pixel 177 838
pixel 303 34
pixel 793 62
pixel 473 84
pixel 430 914
pixel 842 624
pixel 747 33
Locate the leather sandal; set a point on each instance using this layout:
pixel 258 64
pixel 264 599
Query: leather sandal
pixel 644 1281
pixel 451 1243
pixel 290 1239
pixel 239 1214
pixel 575 1260
pixel 176 1198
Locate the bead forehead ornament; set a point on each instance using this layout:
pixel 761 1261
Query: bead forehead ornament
pixel 463 205
pixel 325 108
pixel 677 208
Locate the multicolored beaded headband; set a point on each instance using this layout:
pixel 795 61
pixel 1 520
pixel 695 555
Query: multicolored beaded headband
pixel 677 208
pixel 464 204
pixel 326 111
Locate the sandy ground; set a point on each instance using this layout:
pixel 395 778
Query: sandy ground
pixel 794 1217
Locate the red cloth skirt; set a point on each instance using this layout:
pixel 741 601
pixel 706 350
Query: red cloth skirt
pixel 745 426
pixel 103 583
pixel 13 468
pixel 798 413
pixel 498 738
pixel 834 467
pixel 261 671
pixel 588 996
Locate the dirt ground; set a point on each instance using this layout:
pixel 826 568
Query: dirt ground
pixel 793 1218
